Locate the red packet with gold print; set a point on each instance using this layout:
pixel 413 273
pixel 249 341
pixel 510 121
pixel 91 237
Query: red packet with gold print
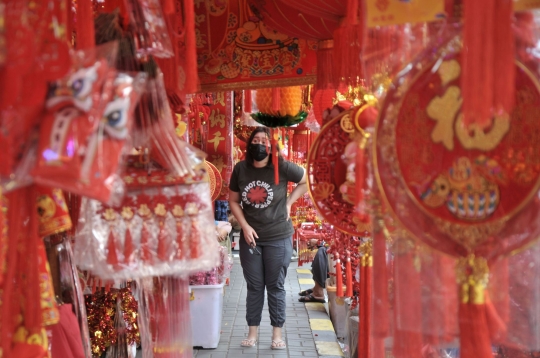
pixel 52 211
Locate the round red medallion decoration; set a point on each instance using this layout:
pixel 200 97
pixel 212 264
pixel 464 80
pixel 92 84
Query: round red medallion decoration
pixel 332 175
pixel 460 189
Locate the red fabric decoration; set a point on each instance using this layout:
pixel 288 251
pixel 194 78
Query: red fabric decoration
pixel 128 247
pixel 322 100
pixel 66 339
pixel 473 331
pixel 348 45
pixel 380 281
pixel 488 81
pixel 168 7
pixel 8 308
pixel 192 79
pixel 163 244
pixel 275 155
pixel 326 78
pixel 247 101
pixel 85 25
pixel 348 275
pixel 146 252
pixel 407 305
pixel 366 309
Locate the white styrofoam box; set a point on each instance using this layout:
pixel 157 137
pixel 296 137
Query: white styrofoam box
pixel 338 310
pixel 206 307
pixel 236 241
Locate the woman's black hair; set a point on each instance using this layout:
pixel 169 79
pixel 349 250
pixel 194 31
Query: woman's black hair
pixel 266 130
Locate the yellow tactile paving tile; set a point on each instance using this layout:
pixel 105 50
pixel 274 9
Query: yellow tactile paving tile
pixel 315 306
pixel 306 281
pixel 329 349
pixel 299 270
pixel 321 324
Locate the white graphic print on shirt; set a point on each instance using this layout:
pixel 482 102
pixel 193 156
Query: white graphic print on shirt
pixel 258 194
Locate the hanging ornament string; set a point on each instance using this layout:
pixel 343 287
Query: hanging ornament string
pixel 488 81
pixel 275 154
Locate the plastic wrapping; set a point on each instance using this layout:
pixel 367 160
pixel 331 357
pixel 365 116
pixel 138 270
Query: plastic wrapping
pixel 68 286
pixel 165 319
pixel 168 230
pixel 448 268
pixel 81 153
pixel 107 308
pixel 150 28
pixel 155 130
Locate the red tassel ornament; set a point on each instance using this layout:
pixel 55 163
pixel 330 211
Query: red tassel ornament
pixel 247 101
pixel 85 25
pixel 366 309
pixel 192 79
pixel 128 247
pixel 488 80
pixel 275 154
pixel 472 276
pixel 146 252
pixel 339 277
pixel 348 275
pixel 112 255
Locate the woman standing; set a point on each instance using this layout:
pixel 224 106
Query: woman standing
pixel 262 209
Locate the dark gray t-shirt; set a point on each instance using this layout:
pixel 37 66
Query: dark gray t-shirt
pixel 264 203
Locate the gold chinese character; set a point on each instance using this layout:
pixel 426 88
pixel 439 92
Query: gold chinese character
pixel 216 140
pixel 217 119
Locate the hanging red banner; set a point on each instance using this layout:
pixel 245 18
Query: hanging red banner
pixel 236 50
pixel 220 137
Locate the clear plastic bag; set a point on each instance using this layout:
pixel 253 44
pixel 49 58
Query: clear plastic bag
pixel 150 28
pixel 156 231
pixel 164 317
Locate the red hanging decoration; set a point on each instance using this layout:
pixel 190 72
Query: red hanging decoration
pixel 168 7
pixel 129 248
pixel 407 302
pixel 348 275
pixel 381 326
pixel 192 79
pixel 348 44
pixel 112 256
pixel 275 154
pixel 85 25
pixel 364 118
pixel 326 78
pixel 488 81
pixel 247 101
pixel 366 309
pixel 146 252
pixel 339 277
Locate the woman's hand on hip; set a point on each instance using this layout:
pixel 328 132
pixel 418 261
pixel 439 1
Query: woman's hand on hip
pixel 249 235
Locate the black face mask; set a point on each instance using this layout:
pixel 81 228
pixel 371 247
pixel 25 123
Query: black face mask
pixel 258 151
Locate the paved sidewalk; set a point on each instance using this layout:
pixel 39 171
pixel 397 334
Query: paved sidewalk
pixel 308 331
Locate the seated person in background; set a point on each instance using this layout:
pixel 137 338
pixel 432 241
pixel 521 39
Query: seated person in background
pixel 319 270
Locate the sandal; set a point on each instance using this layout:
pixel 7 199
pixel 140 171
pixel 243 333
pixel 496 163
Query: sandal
pixel 277 345
pixel 248 343
pixel 305 293
pixel 311 298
